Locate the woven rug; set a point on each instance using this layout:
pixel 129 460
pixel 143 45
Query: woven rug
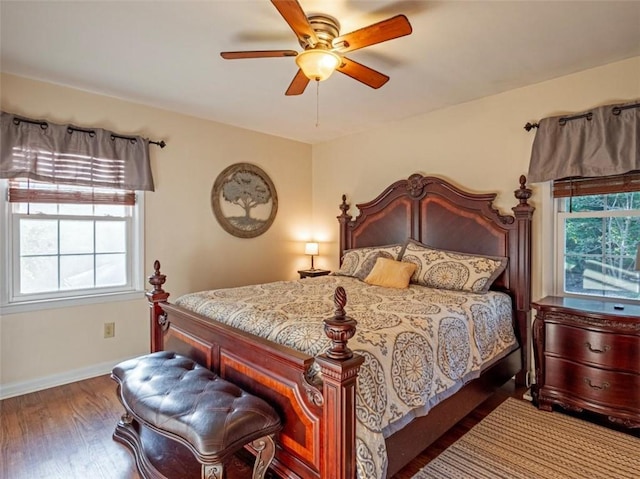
pixel 516 441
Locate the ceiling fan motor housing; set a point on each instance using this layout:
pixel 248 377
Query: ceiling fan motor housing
pixel 327 28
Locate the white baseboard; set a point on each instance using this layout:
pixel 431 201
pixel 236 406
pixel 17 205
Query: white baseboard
pixel 25 387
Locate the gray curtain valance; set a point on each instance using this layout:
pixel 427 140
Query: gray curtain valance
pixel 68 154
pixel 604 141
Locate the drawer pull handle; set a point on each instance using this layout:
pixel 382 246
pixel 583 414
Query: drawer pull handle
pixel 595 350
pixel 604 386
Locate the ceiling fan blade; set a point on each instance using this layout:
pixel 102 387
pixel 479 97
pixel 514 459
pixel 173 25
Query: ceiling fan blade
pixel 389 29
pixel 298 84
pixel 363 74
pixel 258 54
pixel 293 14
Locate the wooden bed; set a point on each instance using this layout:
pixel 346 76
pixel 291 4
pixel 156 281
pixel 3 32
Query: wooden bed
pixel 318 439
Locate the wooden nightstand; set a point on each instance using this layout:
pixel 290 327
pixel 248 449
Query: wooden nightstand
pixel 312 273
pixel 588 357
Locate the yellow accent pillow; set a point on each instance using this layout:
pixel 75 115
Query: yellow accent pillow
pixel 390 273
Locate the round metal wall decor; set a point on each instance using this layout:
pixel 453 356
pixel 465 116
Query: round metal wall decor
pixel 244 200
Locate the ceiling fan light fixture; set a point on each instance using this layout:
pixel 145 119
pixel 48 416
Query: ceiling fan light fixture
pixel 317 64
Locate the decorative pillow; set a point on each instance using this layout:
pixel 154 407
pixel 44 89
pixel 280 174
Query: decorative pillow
pixel 356 261
pixel 443 269
pixel 390 273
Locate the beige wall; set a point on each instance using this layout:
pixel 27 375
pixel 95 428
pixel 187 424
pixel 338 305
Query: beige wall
pixel 480 145
pixel 48 347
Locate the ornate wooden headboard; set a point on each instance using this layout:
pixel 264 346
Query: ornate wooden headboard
pixel 433 211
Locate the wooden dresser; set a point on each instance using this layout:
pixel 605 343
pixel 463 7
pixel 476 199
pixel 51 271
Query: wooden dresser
pixel 587 355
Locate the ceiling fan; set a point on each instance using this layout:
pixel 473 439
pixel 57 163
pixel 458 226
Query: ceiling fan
pixel 323 46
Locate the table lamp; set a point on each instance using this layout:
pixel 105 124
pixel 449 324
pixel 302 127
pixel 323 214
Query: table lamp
pixel 311 249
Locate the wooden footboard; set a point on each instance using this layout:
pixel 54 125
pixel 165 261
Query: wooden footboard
pixel 318 438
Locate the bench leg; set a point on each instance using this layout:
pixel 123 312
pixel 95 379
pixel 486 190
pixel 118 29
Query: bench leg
pixel 266 449
pixel 215 471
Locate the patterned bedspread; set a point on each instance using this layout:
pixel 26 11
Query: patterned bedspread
pixel 420 344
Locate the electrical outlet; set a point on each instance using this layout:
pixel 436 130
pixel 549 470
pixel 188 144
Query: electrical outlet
pixel 109 330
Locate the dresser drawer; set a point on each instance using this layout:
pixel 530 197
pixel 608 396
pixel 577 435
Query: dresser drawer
pixel 607 388
pixel 608 350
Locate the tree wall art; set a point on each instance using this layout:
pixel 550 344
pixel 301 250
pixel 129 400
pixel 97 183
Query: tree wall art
pixel 244 200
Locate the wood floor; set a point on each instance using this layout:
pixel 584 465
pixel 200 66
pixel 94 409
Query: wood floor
pixel 65 433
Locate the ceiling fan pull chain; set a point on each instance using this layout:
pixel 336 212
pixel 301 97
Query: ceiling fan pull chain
pixel 317 103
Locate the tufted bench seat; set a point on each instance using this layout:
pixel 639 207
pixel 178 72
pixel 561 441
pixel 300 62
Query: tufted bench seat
pixel 176 398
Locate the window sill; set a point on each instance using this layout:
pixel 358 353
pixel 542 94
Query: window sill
pixel 26 306
pixel 604 299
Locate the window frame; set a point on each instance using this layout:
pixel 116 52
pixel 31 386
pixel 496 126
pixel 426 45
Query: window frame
pixel 558 241
pixel 9 242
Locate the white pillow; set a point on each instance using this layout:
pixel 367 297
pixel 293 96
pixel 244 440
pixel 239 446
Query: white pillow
pixel 444 269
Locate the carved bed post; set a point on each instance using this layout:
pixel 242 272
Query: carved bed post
pixel 523 213
pixel 344 220
pixel 339 368
pixel 154 297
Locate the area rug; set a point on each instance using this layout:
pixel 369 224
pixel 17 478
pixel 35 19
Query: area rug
pixel 517 441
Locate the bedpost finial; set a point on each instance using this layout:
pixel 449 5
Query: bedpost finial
pixel 344 217
pixel 340 301
pixel 344 207
pixel 523 193
pixel 340 328
pixel 157 279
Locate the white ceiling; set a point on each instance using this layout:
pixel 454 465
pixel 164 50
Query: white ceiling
pixel 166 54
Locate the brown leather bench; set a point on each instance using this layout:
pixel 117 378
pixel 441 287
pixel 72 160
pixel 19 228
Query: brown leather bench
pixel 168 395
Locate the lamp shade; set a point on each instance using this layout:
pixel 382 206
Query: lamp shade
pixel 317 64
pixel 311 249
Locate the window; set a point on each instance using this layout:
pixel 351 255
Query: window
pixel 66 243
pixel 598 237
pixel 71 212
